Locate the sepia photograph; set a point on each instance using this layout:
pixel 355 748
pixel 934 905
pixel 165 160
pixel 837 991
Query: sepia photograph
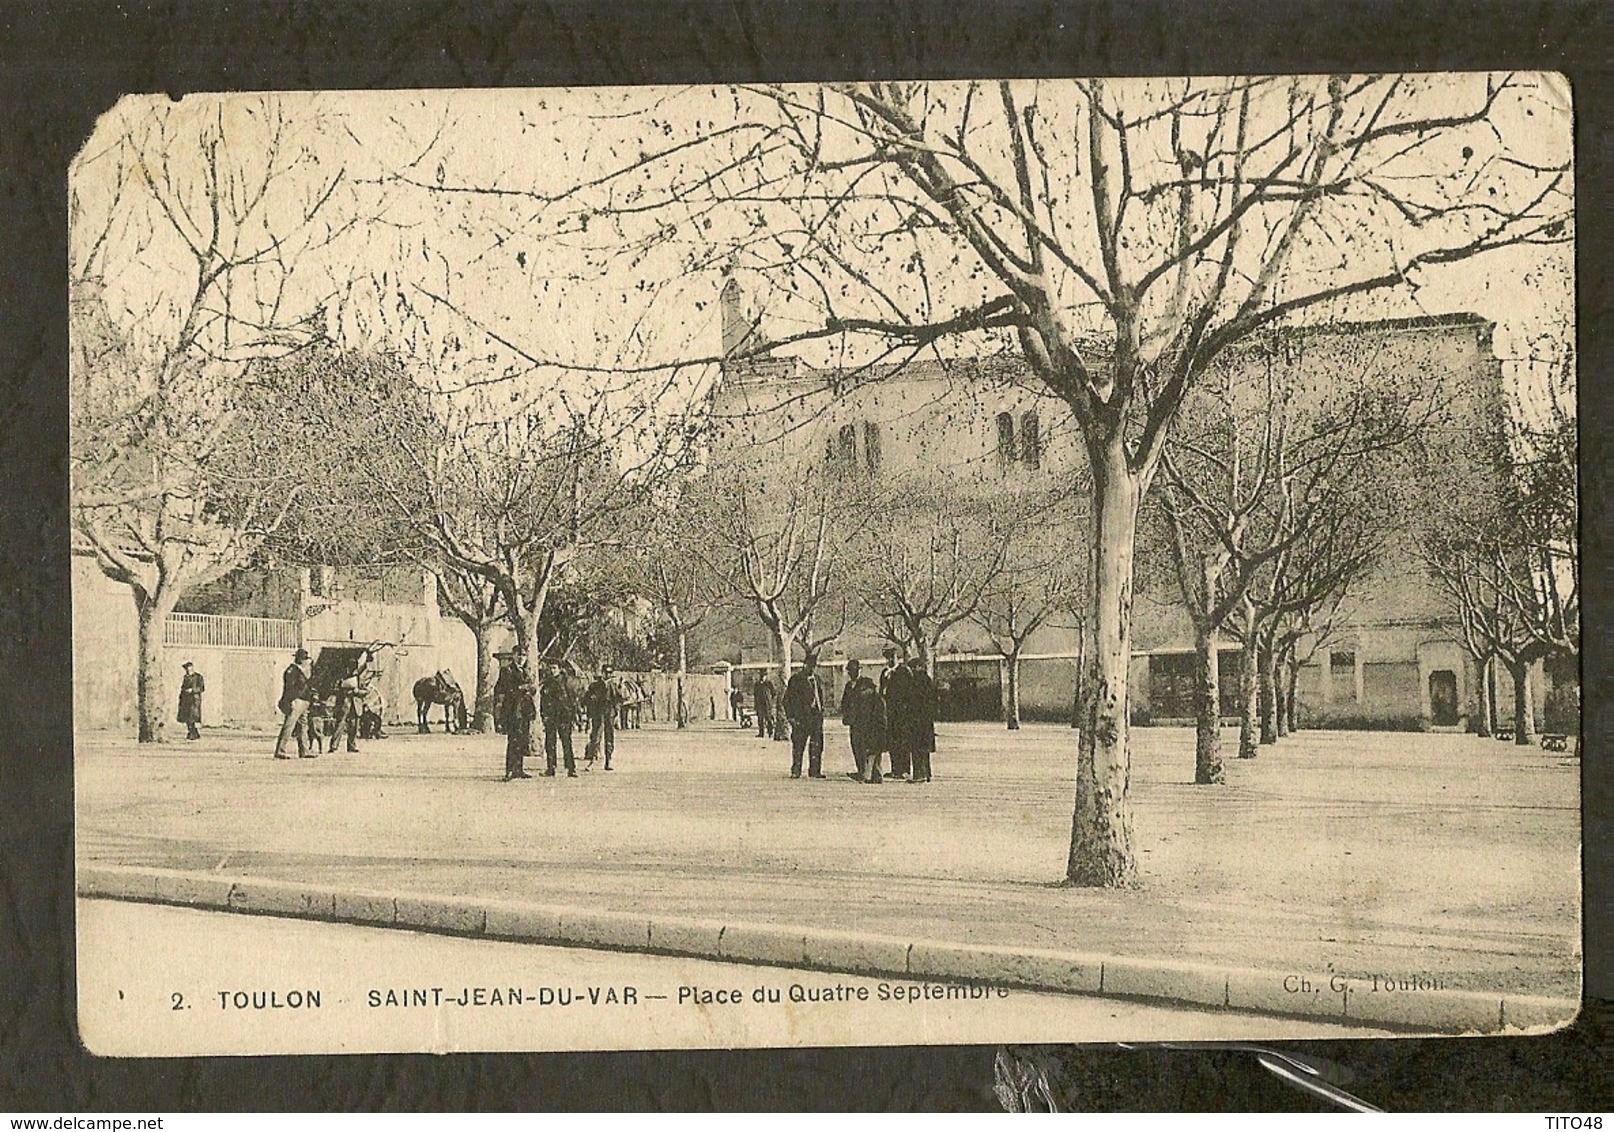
pixel 826 565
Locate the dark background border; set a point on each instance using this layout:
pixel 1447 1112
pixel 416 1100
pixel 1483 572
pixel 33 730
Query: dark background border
pixel 61 64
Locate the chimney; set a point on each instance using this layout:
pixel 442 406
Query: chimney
pixel 736 328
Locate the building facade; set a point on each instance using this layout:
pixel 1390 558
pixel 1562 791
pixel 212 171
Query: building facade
pixel 1395 660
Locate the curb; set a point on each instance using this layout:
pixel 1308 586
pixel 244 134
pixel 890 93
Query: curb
pixel 1253 990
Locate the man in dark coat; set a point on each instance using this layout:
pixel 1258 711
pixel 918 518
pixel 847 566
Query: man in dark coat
pixel 766 703
pixel 894 684
pixel 293 706
pixel 863 712
pixel 191 687
pixel 602 701
pixel 557 704
pixel 921 693
pixel 519 712
pixel 502 687
pixel 804 708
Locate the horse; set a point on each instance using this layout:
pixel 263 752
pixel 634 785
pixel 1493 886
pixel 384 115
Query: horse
pixel 440 688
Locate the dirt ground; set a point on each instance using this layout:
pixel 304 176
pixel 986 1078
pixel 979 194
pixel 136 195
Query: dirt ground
pixel 1365 854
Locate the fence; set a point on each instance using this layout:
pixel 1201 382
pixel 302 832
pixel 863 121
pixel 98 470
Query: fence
pixel 208 630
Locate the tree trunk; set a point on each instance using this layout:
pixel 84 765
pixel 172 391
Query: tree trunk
pixel 781 653
pixel 1207 711
pixel 151 699
pixel 1485 717
pixel 482 717
pixel 1524 716
pixel 1249 705
pixel 1267 691
pixel 683 671
pixel 1292 680
pixel 1012 714
pixel 1101 851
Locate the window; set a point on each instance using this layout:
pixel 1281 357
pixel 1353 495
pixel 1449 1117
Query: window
pixel 1344 658
pixel 1006 439
pixel 1030 441
pixel 871 446
pixel 1342 675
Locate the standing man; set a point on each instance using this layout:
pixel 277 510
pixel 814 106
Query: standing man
pixel 557 704
pixel 519 712
pixel 351 695
pixel 922 720
pixel 896 684
pixel 602 701
pixel 863 712
pixel 804 708
pixel 191 687
pixel 502 688
pixel 765 706
pixel 294 707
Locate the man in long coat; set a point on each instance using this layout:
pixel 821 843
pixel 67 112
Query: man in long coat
pixel 863 712
pixel 191 688
pixel 294 700
pixel 920 693
pixel 804 708
pixel 519 712
pixel 894 683
pixel 766 703
pixel 557 705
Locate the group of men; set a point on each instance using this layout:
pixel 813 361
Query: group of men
pixel 897 714
pixel 348 715
pixel 560 708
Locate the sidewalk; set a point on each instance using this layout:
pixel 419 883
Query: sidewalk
pixel 1442 864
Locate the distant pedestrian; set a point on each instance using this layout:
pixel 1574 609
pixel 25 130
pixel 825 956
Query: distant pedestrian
pixel 766 705
pixel 294 697
pixel 921 708
pixel 519 712
pixel 502 687
pixel 737 707
pixel 863 712
pixel 804 708
pixel 602 701
pixel 557 705
pixel 191 687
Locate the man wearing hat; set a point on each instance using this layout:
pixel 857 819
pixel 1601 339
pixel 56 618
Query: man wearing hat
pixel 294 706
pixel 920 691
pixel 804 707
pixel 601 701
pixel 519 712
pixel 557 705
pixel 191 688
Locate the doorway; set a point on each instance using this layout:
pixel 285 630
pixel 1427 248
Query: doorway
pixel 1443 698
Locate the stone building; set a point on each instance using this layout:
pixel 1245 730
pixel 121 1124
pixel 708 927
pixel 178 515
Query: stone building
pixel 1396 661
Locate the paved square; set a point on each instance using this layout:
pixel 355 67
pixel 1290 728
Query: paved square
pixel 1390 855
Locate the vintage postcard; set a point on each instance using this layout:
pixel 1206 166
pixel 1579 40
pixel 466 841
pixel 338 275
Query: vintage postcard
pixel 892 563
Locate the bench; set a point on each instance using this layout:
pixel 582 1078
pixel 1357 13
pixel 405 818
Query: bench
pixel 1554 742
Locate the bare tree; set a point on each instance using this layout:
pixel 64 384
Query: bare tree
pixel 672 565
pixel 1280 454
pixel 1039 579
pixel 1123 234
pixel 777 542
pixel 189 222
pixel 925 556
pixel 474 599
